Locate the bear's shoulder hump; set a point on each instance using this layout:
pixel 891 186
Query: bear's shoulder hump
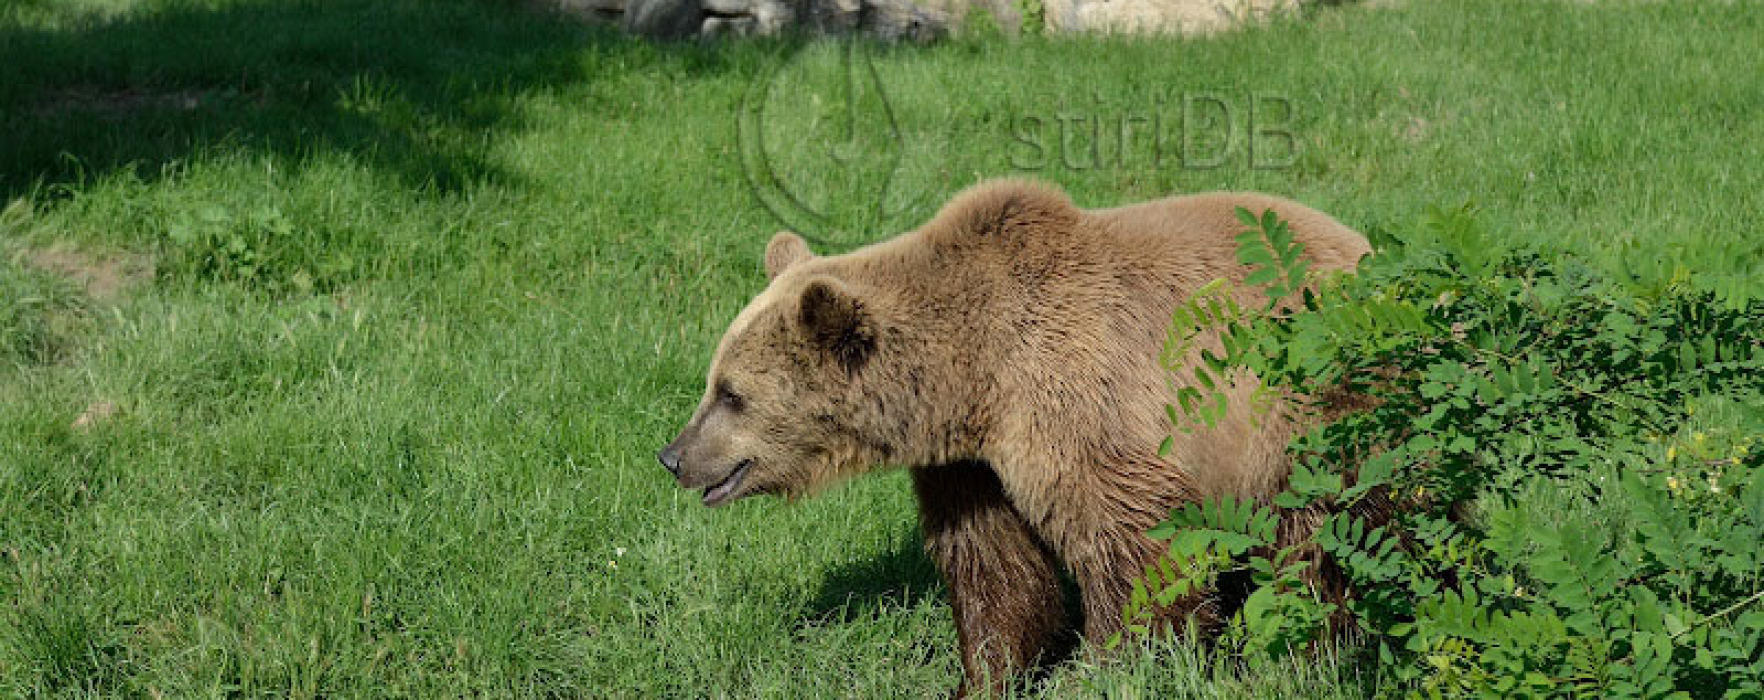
pixel 1001 210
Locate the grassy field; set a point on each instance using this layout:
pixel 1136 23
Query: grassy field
pixel 377 310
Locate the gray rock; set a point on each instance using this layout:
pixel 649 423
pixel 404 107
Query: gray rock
pixel 913 20
pixel 610 10
pixel 881 19
pixel 746 17
pixel 1158 16
pixel 663 19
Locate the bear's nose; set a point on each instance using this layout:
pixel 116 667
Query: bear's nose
pixel 670 458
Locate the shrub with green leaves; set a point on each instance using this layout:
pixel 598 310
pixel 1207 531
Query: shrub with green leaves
pixel 1576 460
pixel 260 247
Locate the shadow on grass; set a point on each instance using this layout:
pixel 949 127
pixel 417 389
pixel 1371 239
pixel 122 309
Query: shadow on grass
pixel 901 577
pixel 403 86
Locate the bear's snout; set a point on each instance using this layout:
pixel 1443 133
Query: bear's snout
pixel 685 458
pixel 670 457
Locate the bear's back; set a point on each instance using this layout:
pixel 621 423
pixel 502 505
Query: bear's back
pixel 1204 225
pixel 1088 308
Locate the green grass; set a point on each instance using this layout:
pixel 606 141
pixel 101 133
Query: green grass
pixel 434 280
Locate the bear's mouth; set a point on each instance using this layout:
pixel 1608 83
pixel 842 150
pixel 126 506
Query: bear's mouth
pixel 720 493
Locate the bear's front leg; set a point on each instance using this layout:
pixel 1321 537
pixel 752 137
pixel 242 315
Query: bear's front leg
pixel 1003 581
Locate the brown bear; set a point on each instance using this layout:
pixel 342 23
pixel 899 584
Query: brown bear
pixel 1007 353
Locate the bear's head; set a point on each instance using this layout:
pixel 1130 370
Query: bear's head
pixel 778 412
pixel 877 357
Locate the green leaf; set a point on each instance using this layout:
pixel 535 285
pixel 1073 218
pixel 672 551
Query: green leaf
pixel 1262 276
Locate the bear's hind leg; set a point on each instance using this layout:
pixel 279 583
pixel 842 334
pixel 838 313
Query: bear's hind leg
pixel 1003 581
pixel 1106 575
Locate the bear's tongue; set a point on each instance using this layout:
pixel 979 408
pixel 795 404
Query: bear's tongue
pixel 715 495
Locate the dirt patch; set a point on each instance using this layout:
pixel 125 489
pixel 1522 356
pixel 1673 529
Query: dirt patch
pixel 104 278
pixel 117 103
pixel 1416 130
pixel 97 412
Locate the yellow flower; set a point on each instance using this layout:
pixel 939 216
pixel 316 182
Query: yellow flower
pixel 1672 483
pixel 1671 452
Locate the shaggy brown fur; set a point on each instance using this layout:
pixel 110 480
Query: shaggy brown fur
pixel 1006 352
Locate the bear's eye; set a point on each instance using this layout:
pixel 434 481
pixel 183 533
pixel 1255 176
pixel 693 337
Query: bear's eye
pixel 727 397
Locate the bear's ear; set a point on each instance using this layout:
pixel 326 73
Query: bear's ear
pixel 784 250
pixel 837 323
